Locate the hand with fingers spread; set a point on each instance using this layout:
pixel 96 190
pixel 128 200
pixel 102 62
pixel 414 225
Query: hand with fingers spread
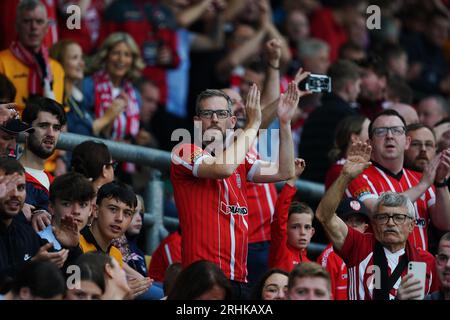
pixel 358 159
pixel 57 258
pixel 253 107
pixel 8 183
pixel 410 288
pixel 288 103
pixel 8 111
pixel 429 172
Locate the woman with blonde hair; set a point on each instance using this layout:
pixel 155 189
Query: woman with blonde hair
pixel 109 89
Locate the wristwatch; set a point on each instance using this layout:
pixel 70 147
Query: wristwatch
pixel 441 184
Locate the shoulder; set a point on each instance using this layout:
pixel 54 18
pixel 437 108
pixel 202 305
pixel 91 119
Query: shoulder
pixel 6 54
pixel 56 66
pixel 186 152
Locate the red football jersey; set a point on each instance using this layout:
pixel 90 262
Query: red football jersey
pixel 261 199
pixel 338 272
pixel 375 180
pixel 168 252
pixel 281 254
pixel 213 213
pixel 357 253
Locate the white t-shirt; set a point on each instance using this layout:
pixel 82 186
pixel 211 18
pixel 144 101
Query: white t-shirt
pixel 40 176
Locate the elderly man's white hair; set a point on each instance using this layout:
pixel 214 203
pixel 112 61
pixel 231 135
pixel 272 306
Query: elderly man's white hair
pixel 394 199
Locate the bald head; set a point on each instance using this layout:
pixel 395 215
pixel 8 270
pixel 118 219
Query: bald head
pixel 407 112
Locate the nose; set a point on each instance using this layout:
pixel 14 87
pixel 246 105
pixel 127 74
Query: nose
pixel 76 209
pixel 119 216
pixel 214 117
pixel 281 294
pixel 389 133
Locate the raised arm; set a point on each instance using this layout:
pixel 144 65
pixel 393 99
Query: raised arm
pixel 226 162
pixel 440 211
pixel 335 227
pixel 271 90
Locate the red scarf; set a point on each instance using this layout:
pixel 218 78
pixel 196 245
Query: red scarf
pixel 126 124
pixel 36 81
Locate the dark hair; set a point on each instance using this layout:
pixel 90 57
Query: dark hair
pixel 385 113
pixel 349 46
pixel 259 286
pixel 35 104
pixel 210 93
pixel 117 190
pixel 346 127
pixel 300 207
pixel 375 63
pixel 445 237
pixel 170 276
pixel 399 90
pixel 391 51
pixel 11 166
pixel 71 186
pixel 7 90
pixel 198 278
pixel 43 278
pixel 89 157
pixel 417 126
pixel 341 72
pixel 92 267
pixel 308 270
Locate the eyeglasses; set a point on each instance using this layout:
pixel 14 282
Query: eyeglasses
pixel 419 145
pixel 208 114
pixel 442 259
pixel 384 218
pixel 383 131
pixel 113 164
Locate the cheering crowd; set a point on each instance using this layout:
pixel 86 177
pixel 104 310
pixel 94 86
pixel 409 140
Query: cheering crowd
pixel 231 72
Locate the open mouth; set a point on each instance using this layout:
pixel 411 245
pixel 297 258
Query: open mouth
pixel 115 229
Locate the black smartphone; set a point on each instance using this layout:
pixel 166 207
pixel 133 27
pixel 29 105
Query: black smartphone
pixel 316 83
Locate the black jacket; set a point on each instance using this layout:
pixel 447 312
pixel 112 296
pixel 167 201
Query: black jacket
pixel 319 133
pixel 18 243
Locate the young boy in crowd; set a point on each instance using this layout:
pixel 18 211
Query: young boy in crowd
pixel 291 228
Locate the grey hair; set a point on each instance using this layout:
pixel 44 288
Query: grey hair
pixel 311 47
pixel 394 199
pixel 28 5
pixel 210 93
pixel 443 104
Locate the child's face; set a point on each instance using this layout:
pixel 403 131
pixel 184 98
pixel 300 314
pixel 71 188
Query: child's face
pixel 79 211
pixel 113 217
pixel 300 230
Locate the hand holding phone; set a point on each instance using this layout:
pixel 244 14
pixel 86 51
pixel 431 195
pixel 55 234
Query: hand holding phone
pixel 418 271
pixel 316 83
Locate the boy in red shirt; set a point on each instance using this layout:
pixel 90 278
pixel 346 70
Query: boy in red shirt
pixel 291 228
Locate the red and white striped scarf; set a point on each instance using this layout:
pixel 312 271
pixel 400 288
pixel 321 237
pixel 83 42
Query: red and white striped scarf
pixel 36 81
pixel 127 123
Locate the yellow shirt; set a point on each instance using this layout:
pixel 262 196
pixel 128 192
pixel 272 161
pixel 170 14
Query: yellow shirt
pixel 92 247
pixel 18 73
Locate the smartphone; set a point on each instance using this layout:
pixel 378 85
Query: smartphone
pixel 419 271
pixel 317 83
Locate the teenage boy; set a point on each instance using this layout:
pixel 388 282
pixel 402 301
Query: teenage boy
pixel 291 228
pixel 115 206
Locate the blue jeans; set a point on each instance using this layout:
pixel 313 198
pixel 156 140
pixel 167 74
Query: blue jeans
pixel 257 261
pixel 155 292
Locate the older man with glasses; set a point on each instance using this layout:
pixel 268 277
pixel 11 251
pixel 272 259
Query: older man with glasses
pixel 388 139
pixel 375 261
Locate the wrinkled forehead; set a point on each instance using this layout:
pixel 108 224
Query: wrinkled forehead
pixel 392 210
pixel 214 103
pixel 444 247
pixel 39 12
pixel 423 134
pixel 47 117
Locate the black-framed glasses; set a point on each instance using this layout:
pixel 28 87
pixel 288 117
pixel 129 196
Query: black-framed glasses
pixel 208 114
pixel 442 259
pixel 383 131
pixel 113 164
pixel 383 218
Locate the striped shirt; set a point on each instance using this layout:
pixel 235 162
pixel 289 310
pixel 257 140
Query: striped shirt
pixel 167 253
pixel 376 180
pixel 213 213
pixel 357 252
pixel 338 272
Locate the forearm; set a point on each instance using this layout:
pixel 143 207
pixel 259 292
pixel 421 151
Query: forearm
pixel 414 193
pixel 246 50
pixel 286 55
pixel 330 201
pixel 440 212
pixel 269 113
pixel 100 124
pixel 271 90
pixel 234 7
pixel 286 168
pixel 188 16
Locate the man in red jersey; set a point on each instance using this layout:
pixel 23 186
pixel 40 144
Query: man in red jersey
pixel 210 181
pixel 375 261
pixel 386 173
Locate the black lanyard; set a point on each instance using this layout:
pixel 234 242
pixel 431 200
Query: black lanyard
pixel 387 282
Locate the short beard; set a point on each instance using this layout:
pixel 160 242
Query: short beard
pixel 34 146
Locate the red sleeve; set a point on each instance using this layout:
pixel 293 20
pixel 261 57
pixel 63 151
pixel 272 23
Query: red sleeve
pixel 184 158
pixel 360 188
pixel 158 264
pixel 278 227
pixel 356 245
